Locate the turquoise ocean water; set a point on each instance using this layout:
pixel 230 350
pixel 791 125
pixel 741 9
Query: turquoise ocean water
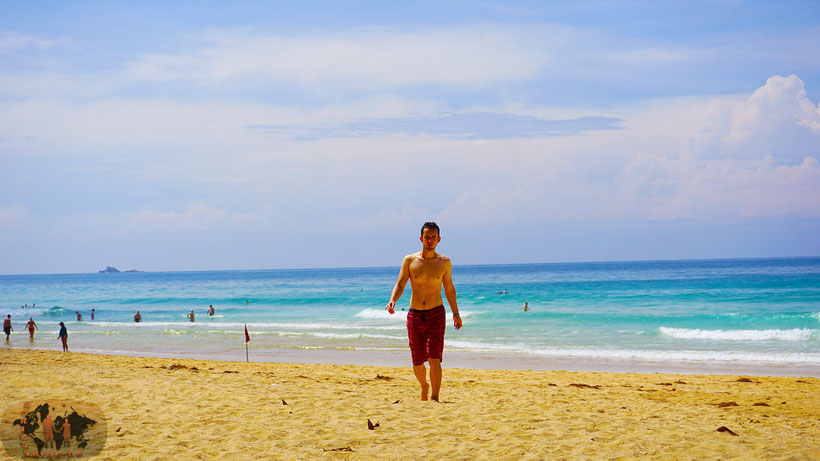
pixel 751 315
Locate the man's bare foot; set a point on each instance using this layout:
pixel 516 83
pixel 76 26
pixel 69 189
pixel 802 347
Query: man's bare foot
pixel 424 389
pixel 434 398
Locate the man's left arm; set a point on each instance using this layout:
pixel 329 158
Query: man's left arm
pixel 450 292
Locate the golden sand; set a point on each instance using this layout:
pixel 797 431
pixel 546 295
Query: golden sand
pixel 236 410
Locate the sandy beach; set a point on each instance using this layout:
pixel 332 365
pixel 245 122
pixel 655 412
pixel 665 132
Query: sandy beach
pixel 155 408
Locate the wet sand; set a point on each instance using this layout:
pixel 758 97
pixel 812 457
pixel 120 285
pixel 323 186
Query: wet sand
pixel 156 408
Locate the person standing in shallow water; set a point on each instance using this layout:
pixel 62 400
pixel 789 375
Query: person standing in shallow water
pixel 137 317
pixel 191 315
pixel 427 272
pixel 31 326
pixel 7 329
pixel 63 336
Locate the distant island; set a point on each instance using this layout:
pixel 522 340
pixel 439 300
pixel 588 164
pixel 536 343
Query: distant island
pixel 114 270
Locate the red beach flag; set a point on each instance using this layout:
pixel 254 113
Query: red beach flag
pixel 247 339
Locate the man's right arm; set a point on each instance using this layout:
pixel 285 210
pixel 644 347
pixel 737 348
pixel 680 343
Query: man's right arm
pixel 404 276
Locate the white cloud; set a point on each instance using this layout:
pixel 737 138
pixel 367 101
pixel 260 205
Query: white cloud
pixel 388 220
pixel 365 59
pixel 195 218
pixel 677 158
pixel 157 127
pixel 735 158
pixel 467 125
pixel 780 105
pixel 674 159
pixel 161 126
pixel 487 206
pixel 635 55
pixel 12 42
pixel 660 188
pixel 17 217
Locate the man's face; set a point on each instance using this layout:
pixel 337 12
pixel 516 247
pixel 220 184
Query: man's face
pixel 430 238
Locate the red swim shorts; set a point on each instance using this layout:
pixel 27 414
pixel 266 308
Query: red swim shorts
pixel 426 332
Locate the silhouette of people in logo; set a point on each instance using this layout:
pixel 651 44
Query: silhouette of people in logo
pixel 66 432
pixel 48 431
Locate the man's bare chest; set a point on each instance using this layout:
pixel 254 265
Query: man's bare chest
pixel 426 271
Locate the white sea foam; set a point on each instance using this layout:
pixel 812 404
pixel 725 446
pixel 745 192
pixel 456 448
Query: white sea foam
pixel 280 325
pixel 311 334
pixel 19 314
pixel 97 332
pixel 355 336
pixel 649 355
pixel 173 332
pixel 170 331
pixel 382 314
pixel 795 334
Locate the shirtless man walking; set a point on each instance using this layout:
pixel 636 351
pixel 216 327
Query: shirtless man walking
pixel 427 271
pixel 7 329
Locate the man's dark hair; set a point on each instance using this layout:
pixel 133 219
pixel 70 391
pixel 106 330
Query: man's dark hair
pixel 432 226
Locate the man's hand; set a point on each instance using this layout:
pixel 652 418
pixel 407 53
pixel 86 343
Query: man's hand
pixel 457 321
pixel 391 306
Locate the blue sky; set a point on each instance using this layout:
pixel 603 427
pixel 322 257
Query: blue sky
pixel 207 135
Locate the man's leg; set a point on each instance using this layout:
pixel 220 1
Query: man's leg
pixel 421 375
pixel 435 377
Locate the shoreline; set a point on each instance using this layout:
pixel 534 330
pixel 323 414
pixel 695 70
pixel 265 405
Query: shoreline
pixel 475 360
pixel 155 408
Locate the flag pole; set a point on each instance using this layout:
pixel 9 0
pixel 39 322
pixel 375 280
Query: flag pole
pixel 247 338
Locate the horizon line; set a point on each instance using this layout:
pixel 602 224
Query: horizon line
pixel 613 261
